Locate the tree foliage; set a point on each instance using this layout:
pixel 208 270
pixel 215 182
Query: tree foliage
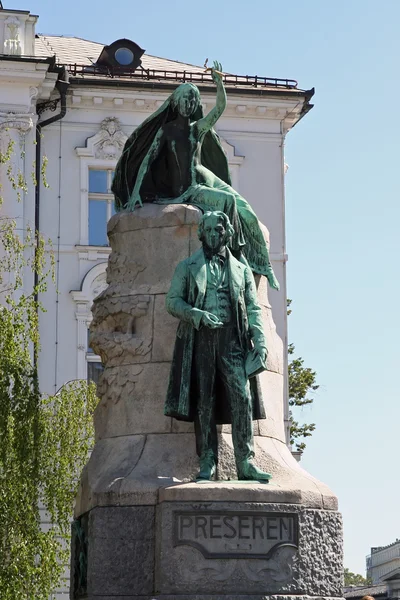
pixel 44 440
pixel 302 384
pixel 355 579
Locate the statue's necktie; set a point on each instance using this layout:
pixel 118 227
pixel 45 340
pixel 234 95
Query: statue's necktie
pixel 216 268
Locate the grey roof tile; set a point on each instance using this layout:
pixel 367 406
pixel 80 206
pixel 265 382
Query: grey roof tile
pixel 71 50
pixel 371 590
pixel 80 54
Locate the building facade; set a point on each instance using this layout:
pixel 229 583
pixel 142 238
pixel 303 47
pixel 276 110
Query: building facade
pixel 383 562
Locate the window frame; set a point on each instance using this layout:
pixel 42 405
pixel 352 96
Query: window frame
pixel 93 282
pixel 87 164
pixel 91 357
pixel 107 197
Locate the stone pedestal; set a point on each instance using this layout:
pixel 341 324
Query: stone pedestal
pixel 149 532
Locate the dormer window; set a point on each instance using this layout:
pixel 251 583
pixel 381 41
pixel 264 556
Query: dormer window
pixel 122 53
pixel 124 56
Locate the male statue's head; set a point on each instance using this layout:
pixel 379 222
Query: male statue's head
pixel 186 99
pixel 215 231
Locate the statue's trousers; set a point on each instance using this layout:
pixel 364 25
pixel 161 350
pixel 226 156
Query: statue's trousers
pixel 219 361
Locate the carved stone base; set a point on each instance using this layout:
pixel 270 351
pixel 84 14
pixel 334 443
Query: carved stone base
pixel 215 549
pixel 143 530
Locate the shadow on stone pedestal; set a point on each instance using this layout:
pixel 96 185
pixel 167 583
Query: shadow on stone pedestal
pixel 151 533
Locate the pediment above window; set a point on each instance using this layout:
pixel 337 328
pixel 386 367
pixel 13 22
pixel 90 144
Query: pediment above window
pixel 107 143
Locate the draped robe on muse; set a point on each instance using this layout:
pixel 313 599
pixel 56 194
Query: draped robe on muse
pixel 248 239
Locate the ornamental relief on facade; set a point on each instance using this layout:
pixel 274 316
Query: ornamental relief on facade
pixel 22 122
pixel 12 44
pixel 107 143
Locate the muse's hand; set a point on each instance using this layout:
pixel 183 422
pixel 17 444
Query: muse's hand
pixel 134 200
pixel 210 320
pixel 273 282
pixel 216 72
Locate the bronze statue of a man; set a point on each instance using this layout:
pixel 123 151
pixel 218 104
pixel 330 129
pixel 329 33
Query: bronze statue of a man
pixel 214 296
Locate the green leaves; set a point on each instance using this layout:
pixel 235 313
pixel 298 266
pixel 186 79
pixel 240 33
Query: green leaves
pixel 302 384
pixel 355 579
pixel 44 440
pixel 44 444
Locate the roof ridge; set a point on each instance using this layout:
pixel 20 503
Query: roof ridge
pixel 47 44
pixel 61 35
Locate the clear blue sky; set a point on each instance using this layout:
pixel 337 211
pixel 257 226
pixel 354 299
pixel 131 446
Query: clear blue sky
pixel 342 208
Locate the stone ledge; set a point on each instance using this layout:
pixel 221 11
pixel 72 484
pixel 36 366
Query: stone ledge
pixel 239 491
pixel 147 469
pixel 152 215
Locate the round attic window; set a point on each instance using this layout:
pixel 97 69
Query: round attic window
pixel 124 56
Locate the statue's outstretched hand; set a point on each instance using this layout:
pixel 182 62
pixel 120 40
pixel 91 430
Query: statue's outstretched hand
pixel 215 71
pixel 210 320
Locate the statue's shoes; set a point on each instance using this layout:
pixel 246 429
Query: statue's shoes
pixel 207 469
pixel 248 472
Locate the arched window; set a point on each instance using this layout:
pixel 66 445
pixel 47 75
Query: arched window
pixel 88 364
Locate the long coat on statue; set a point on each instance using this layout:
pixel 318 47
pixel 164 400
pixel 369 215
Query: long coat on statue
pixel 185 301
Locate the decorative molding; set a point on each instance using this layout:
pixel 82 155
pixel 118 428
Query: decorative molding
pixel 92 253
pixel 33 93
pixel 92 285
pixel 102 151
pixel 230 151
pixel 12 43
pixel 254 136
pixel 22 122
pixel 286 109
pixel 234 162
pixel 278 257
pixel 107 143
pixel 94 279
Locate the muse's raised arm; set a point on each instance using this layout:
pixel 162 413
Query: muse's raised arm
pixel 206 123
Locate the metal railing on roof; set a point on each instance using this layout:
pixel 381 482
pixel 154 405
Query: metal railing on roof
pixel 177 76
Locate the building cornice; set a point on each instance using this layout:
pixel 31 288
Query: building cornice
pixel 242 99
pixel 287 109
pixel 26 82
pixel 88 81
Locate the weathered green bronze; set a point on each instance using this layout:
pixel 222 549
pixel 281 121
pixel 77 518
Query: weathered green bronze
pixel 175 156
pixel 79 541
pixel 214 296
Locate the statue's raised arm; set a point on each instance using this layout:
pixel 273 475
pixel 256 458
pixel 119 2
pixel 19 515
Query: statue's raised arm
pixel 207 122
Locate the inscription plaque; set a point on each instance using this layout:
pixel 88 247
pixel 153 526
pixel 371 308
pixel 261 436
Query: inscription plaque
pixel 232 534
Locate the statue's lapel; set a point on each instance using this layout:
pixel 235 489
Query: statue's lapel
pixel 198 269
pixel 236 279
